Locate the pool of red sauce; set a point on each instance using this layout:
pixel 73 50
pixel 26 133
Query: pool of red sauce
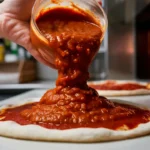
pixel 141 116
pixel 75 36
pixel 125 86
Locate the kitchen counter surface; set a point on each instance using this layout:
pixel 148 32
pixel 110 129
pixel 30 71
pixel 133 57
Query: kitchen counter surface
pixel 28 86
pixel 10 90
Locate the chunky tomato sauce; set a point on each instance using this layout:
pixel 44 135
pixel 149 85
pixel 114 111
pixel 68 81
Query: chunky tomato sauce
pixel 116 116
pixel 75 37
pixel 110 85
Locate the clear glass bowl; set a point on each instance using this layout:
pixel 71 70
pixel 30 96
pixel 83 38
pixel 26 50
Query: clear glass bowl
pixel 40 43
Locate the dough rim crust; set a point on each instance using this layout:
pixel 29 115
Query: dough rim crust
pixel 35 132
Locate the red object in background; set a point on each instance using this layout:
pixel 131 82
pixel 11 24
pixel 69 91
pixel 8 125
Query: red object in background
pixel 100 3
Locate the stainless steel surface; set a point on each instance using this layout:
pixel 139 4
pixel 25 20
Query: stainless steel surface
pixel 121 51
pixel 122 37
pixel 121 41
pixel 10 90
pixel 6 96
pixel 99 67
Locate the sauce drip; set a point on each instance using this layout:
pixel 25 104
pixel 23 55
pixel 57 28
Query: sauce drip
pixel 75 38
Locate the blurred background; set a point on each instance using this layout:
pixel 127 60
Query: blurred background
pixel 124 53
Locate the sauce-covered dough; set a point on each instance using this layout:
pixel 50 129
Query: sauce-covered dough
pixel 112 85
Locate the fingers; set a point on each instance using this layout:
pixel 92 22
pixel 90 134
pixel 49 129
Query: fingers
pixel 21 9
pixel 18 31
pixel 28 45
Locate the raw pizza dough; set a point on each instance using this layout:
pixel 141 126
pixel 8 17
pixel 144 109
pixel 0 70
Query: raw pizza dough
pixel 35 132
pixel 121 92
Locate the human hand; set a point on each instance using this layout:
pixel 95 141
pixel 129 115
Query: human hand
pixel 15 24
